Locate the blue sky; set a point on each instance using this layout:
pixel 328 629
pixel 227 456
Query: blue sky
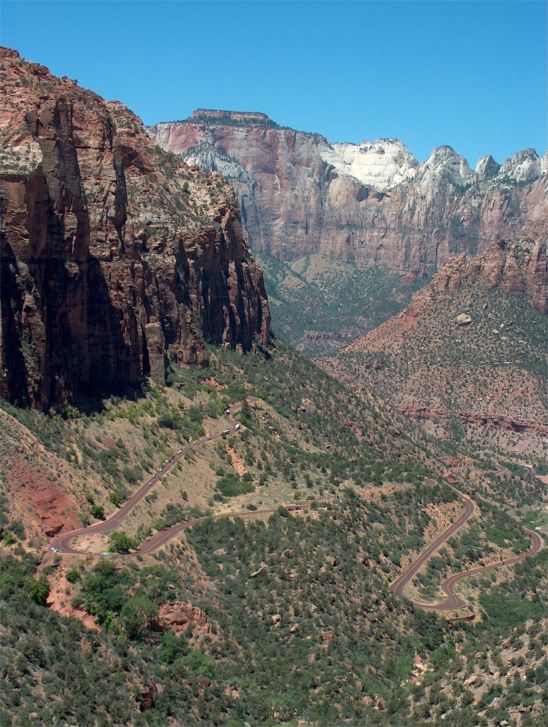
pixel 469 74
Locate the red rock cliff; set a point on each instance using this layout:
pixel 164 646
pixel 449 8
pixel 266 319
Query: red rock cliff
pixel 115 256
pixel 373 203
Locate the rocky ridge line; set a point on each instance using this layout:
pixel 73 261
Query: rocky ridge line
pixel 369 203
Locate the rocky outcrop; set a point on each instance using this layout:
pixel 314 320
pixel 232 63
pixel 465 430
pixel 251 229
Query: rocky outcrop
pixel 372 203
pixel 500 421
pixel 463 319
pixel 115 256
pixel 515 267
pixel 177 616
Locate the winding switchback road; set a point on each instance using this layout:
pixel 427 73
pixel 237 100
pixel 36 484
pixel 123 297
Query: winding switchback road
pixel 62 543
pixel 398 585
pixel 453 600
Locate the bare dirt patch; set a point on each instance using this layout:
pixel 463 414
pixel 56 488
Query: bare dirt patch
pixel 236 461
pixel 61 595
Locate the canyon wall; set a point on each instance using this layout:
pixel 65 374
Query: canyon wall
pixel 372 203
pixel 115 256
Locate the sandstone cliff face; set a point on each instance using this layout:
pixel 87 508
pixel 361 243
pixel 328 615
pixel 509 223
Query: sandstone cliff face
pixel 115 256
pixel 372 203
pixel 515 267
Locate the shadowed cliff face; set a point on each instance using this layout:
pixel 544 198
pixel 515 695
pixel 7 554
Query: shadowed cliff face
pixel 372 204
pixel 115 257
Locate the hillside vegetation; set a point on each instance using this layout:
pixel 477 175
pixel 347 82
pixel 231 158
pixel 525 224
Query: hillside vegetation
pixel 320 304
pixel 271 618
pixel 466 383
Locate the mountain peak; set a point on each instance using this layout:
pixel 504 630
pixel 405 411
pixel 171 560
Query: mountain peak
pixel 231 118
pixel 487 167
pixel 522 167
pixel 381 164
pixel 445 163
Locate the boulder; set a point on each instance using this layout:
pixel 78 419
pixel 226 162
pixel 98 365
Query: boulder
pixel 176 616
pixel 463 319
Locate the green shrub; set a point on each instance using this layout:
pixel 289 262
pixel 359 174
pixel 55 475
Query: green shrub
pixel 232 485
pixel 121 542
pixel 116 498
pixel 132 474
pixel 73 576
pixel 136 614
pixel 38 590
pixel 98 511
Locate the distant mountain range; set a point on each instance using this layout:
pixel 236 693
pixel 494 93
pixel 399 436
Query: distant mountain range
pixel 372 204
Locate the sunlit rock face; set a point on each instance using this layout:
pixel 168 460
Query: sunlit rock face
pixel 115 256
pixel 371 203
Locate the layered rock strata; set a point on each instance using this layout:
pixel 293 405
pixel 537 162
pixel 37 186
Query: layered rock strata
pixel 369 203
pixel 115 256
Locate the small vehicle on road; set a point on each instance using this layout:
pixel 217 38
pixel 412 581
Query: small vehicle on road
pixel 225 432
pixel 238 427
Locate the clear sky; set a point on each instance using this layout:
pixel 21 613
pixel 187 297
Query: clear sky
pixel 469 74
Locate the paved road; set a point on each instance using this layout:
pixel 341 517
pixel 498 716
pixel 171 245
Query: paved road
pixel 453 600
pixel 163 536
pixel 398 585
pixel 63 541
pixel 157 540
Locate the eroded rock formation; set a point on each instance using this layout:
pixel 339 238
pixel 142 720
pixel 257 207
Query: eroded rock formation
pixel 371 203
pixel 516 267
pixel 178 617
pixel 115 256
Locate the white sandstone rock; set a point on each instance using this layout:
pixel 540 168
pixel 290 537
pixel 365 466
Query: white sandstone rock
pixel 381 164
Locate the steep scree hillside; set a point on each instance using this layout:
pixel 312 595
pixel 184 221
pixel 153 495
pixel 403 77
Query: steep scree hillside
pixel 471 346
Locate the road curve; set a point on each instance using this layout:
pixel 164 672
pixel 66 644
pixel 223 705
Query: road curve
pixel 156 541
pixel 453 600
pixel 62 542
pixel 398 585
